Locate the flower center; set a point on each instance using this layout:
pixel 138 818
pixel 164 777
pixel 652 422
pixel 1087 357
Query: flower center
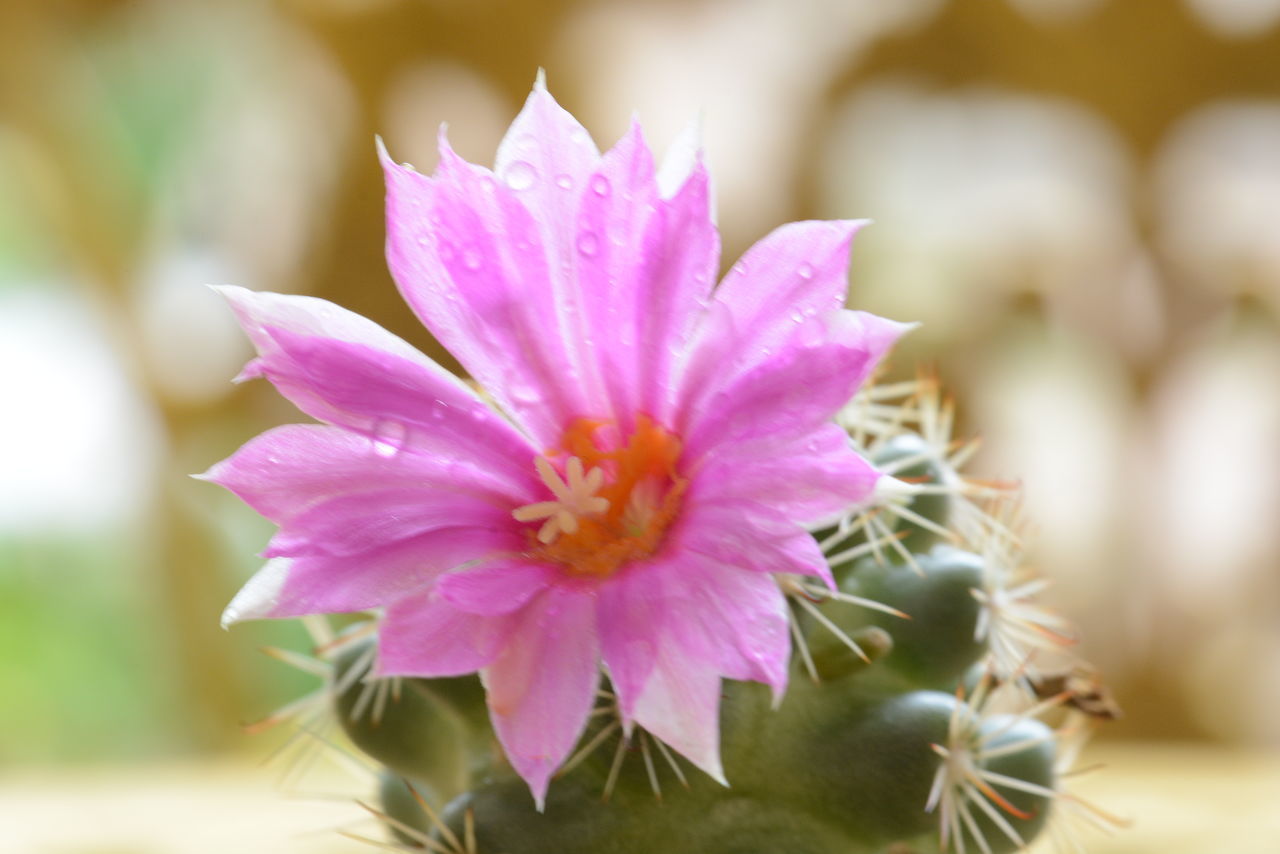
pixel 613 499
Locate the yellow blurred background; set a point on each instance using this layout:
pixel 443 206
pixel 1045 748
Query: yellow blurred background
pixel 1080 200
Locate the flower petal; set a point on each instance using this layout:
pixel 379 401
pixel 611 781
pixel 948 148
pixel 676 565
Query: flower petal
pixel 807 480
pixel 542 687
pixel 798 271
pixel 497 587
pixel 358 522
pixel 680 704
pixel 645 266
pixel 326 584
pixel 472 262
pixel 732 620
pixel 288 469
pixel 549 154
pixel 749 535
pixel 345 370
pixel 424 635
pixel 815 371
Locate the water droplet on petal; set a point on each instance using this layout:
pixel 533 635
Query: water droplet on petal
pixel 472 259
pixel 588 243
pixel 447 252
pixel 600 185
pixel 805 271
pixel 389 438
pixel 812 334
pixel 797 317
pixel 521 175
pixel 522 393
pixel 563 181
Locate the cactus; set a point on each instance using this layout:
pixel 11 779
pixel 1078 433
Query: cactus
pixel 912 724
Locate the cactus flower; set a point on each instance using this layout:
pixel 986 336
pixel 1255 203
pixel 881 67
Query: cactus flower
pixel 641 451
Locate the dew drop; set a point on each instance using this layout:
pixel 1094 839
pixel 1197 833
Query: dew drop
pixel 600 185
pixel 472 259
pixel 563 181
pixel 797 317
pixel 389 438
pixel 588 243
pixel 447 252
pixel 524 394
pixel 521 175
pixel 527 142
pixel 805 271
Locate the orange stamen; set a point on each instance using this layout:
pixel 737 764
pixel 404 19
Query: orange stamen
pixel 642 486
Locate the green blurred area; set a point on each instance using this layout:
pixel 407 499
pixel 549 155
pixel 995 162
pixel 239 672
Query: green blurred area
pixel 147 148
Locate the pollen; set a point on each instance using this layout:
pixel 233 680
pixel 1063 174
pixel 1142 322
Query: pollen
pixel 613 497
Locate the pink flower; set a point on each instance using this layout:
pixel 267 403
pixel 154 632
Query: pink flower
pixel 645 455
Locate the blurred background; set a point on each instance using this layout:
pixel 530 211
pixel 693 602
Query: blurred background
pixel 1080 200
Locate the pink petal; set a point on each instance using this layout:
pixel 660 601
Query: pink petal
pixel 633 605
pixel 680 704
pixel 807 480
pixel 286 470
pixel 744 617
pixel 472 262
pixel 542 687
pixel 340 368
pixel 748 535
pixel 358 522
pixel 798 271
pixel 548 154
pixel 645 266
pixel 813 373
pixel 732 620
pixel 324 584
pixel 424 635
pixel 497 587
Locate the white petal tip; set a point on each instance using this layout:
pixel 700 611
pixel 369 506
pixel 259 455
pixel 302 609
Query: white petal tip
pixel 260 597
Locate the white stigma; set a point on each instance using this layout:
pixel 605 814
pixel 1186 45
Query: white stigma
pixel 574 497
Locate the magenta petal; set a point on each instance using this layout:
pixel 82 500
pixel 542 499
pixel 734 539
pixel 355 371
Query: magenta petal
pixel 813 373
pixel 543 685
pixel 809 479
pixel 798 271
pixel 749 535
pixel 424 635
pixel 286 470
pixel 496 587
pixel 326 584
pixel 350 524
pixel 732 620
pixel 471 261
pixel 680 704
pixel 633 607
pixel 548 155
pixel 745 620
pixel 340 368
pixel 645 266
